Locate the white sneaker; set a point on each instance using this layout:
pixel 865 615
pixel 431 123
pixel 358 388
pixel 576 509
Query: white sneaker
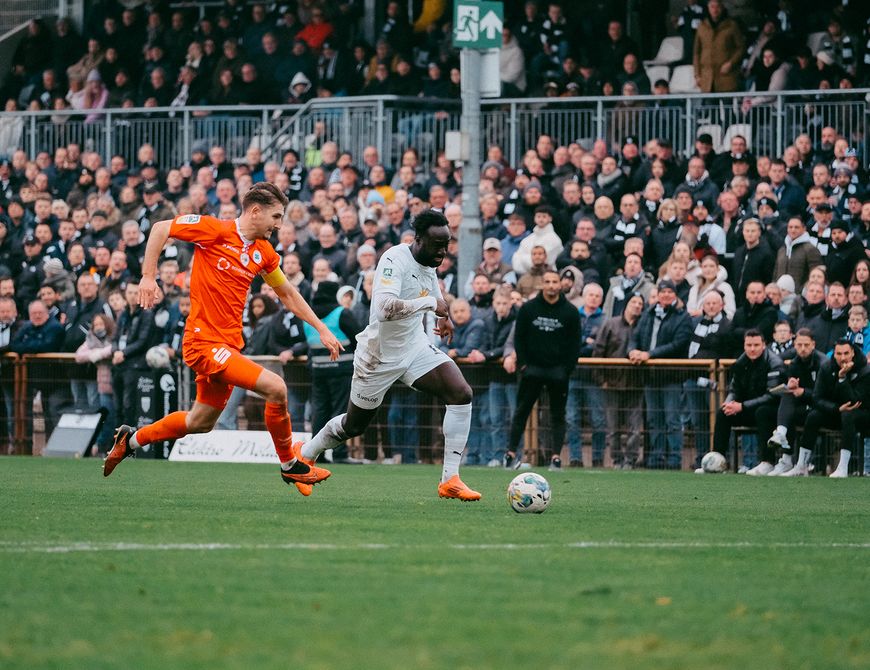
pixel 797 471
pixel 838 474
pixel 494 463
pixel 742 470
pixel 781 466
pixel 760 470
pixel 700 471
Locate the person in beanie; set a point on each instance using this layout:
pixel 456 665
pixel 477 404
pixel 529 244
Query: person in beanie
pixel 547 341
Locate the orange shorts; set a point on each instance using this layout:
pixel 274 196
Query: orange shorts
pixel 218 368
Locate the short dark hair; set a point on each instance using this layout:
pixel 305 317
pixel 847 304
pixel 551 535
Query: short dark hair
pixel 428 219
pixel 805 332
pixel 754 332
pixel 265 194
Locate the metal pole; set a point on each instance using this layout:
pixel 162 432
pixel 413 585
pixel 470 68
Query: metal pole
pixel 33 148
pixel 780 126
pixel 108 150
pixel 379 136
pixel 185 136
pixel 513 129
pixel 470 242
pixel 690 130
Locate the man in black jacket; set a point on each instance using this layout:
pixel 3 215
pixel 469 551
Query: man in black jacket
pixel 757 312
pixel 547 341
pixel 833 321
pixel 796 396
pixel 753 260
pixel 843 254
pixel 664 331
pixel 752 376
pixel 136 334
pixel 840 400
pixel 501 397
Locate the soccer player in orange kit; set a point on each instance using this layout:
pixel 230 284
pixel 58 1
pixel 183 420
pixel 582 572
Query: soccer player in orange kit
pixel 228 255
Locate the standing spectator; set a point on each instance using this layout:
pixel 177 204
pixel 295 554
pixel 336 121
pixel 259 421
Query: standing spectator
pixel 632 280
pixel 789 195
pixel 584 394
pixel 832 322
pixel 752 376
pixel 664 331
pixel 530 284
pixel 840 399
pixel 9 326
pixel 543 235
pixel 844 253
pixel 798 255
pixel 80 315
pixel 501 395
pixel 96 350
pixel 719 48
pixel 753 260
pixel 42 334
pixel 623 389
pixel 711 280
pixel 136 333
pixel 547 341
pixel 756 313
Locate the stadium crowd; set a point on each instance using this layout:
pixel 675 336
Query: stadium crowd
pixel 151 55
pixel 660 256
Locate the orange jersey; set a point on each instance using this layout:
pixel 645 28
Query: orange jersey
pixel 224 264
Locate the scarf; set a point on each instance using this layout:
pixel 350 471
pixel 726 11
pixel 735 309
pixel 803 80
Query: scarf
pixel 625 229
pixel 705 327
pixel 780 348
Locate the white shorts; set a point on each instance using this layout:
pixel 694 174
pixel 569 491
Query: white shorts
pixel 369 386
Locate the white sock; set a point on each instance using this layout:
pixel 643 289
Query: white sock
pixel 786 458
pixel 286 465
pixel 782 430
pixel 329 437
pixel 457 425
pixel 804 458
pixel 843 465
pixel 131 441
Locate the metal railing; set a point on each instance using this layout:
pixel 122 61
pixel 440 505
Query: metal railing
pixel 660 414
pixel 392 124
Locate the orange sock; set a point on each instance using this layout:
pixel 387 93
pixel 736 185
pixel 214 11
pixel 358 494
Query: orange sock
pixel 279 427
pixel 170 427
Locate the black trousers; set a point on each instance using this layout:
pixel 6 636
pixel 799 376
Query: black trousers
pixel 528 393
pixel 124 382
pixel 791 412
pixel 763 423
pixel 852 423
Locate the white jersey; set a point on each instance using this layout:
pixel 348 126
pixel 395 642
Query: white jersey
pixel 400 276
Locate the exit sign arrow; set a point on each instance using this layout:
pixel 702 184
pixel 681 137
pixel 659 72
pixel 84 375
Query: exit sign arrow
pixel 491 25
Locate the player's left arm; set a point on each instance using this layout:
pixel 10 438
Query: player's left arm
pixel 293 301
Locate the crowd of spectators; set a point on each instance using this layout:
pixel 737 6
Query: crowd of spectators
pixel 151 55
pixel 663 257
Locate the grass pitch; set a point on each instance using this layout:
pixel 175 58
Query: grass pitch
pixel 183 565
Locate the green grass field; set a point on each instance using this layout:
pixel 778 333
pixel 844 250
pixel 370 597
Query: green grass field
pixel 177 565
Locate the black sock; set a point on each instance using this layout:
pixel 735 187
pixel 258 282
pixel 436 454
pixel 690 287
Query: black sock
pixel 298 468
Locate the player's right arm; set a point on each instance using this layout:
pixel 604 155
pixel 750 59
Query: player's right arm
pixel 157 237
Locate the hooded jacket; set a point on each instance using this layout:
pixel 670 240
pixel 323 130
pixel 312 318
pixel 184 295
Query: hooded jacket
pixel 547 337
pixel 545 237
pixel 796 258
pixel 827 328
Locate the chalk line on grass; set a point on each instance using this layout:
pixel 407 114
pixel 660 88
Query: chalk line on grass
pixel 84 546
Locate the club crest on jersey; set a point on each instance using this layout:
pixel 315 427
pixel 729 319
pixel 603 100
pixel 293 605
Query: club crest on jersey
pixel 258 257
pixel 424 292
pixel 188 218
pixel 244 259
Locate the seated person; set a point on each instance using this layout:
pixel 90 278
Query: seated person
pixel 752 376
pixel 796 396
pixel 840 399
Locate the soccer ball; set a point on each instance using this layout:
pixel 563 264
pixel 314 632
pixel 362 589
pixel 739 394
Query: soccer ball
pixel 157 358
pixel 529 492
pixel 713 461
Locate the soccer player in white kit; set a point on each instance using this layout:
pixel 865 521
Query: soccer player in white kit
pixel 394 347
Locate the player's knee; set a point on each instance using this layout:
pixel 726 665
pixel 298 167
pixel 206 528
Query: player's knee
pixel 462 395
pixel 275 390
pixel 200 424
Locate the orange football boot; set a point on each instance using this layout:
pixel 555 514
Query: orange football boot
pixel 456 488
pixel 120 450
pixel 304 487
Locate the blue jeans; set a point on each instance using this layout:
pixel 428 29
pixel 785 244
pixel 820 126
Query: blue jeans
pixel 583 393
pixel 697 408
pixel 403 419
pixel 85 394
pixel 478 447
pixel 664 426
pixel 501 403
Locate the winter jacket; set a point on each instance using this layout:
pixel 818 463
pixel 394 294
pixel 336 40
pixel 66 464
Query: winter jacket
pixel 829 392
pixel 797 258
pixel 466 338
pixel 714 46
pixel 697 294
pixel 617 295
pixel 827 328
pixel 806 370
pixel 43 339
pixel 702 189
pixel 96 351
pixel 762 316
pixel 589 326
pixel 751 381
pixel 512 64
pixel 712 344
pixel 749 265
pixel 674 335
pixel 136 334
pixel 545 237
pixel 841 259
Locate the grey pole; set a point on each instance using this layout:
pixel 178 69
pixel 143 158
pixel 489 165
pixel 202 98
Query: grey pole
pixel 470 242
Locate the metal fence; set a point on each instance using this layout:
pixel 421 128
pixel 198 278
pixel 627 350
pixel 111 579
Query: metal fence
pixel 393 124
pixel 658 415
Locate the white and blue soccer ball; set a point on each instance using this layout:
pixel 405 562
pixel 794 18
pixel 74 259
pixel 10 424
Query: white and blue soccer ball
pixel 157 358
pixel 529 492
pixel 713 462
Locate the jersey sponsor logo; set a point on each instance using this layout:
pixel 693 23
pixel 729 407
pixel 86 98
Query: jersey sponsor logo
pixel 388 272
pixel 221 355
pixel 258 257
pixel 223 264
pixel 188 218
pixel 367 399
pixel 244 259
